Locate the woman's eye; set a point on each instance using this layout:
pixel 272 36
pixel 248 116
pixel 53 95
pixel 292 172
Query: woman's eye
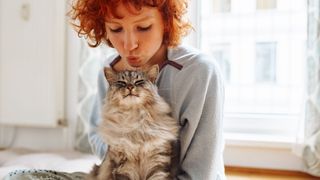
pixel 144 28
pixel 116 30
pixel 139 83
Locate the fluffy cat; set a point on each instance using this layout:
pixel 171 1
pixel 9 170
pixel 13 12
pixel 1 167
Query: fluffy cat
pixel 136 124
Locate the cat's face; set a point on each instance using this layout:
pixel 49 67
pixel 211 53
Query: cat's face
pixel 131 88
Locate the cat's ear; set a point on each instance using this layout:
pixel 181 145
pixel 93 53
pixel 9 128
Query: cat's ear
pixel 109 74
pixel 153 73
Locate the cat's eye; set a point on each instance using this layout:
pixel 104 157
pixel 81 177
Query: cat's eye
pixel 121 84
pixel 139 83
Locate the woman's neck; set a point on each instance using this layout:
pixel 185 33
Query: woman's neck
pixel 159 57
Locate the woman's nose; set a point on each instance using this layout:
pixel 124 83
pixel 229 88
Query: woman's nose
pixel 130 41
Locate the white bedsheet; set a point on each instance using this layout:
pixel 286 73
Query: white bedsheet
pixel 66 161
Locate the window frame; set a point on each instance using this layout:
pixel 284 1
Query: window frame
pixel 266 4
pixel 263 150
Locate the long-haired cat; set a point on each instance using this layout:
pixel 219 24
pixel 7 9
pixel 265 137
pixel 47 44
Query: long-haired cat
pixel 137 126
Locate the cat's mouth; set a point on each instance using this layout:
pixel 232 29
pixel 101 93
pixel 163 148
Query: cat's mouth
pixel 130 95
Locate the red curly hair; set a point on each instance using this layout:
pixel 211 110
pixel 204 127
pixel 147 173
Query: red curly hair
pixel 90 17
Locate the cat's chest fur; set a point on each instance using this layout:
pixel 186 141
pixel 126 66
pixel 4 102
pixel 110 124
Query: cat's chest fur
pixel 138 127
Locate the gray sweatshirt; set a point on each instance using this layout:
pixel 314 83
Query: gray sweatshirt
pixel 191 83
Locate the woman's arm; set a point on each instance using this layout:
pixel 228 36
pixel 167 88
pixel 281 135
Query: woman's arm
pixel 98 147
pixel 200 100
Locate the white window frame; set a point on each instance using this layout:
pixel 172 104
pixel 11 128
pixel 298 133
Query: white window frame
pixel 266 4
pixel 249 149
pixel 221 5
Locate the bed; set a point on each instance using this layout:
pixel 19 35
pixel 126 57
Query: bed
pixel 67 161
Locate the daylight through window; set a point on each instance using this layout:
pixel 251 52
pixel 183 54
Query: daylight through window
pixel 261 54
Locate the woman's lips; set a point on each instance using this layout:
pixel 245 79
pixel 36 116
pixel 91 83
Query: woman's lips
pixel 133 60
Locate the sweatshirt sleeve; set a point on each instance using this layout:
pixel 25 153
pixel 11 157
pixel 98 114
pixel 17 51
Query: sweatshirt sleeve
pixel 98 147
pixel 199 107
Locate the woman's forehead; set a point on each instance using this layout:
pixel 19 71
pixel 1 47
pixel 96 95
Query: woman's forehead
pixel 123 11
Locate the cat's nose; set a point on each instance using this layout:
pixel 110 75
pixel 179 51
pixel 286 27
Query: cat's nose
pixel 130 86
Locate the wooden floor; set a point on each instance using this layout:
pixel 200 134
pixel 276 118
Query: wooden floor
pixel 236 173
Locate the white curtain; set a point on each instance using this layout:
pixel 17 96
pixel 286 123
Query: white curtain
pixel 311 151
pixel 91 61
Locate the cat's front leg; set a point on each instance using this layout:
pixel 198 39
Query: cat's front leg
pixel 102 172
pixel 160 176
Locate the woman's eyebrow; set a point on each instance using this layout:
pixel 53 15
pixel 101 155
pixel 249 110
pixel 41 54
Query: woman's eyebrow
pixel 144 19
pixel 111 22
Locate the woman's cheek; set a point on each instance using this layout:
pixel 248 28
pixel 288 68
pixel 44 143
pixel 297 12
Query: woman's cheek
pixel 116 40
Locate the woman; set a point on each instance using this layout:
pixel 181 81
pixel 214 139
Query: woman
pixel 145 33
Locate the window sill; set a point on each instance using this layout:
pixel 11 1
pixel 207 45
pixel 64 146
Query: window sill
pixel 258 141
pixel 261 151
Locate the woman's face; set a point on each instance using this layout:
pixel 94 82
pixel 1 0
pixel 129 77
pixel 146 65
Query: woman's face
pixel 137 35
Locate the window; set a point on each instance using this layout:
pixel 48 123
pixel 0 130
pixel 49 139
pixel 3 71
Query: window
pixel 221 52
pixel 261 55
pixel 220 6
pixel 266 4
pixel 265 65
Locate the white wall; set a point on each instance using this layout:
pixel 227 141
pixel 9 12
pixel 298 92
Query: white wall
pixel 52 138
pixel 60 137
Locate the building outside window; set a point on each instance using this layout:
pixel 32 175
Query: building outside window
pixel 221 6
pixel 262 63
pixel 221 52
pixel 266 4
pixel 265 63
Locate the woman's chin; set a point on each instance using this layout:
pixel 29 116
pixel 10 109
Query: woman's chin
pixel 135 65
pixel 134 62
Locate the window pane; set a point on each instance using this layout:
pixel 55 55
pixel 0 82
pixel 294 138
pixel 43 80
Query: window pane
pixel 266 4
pixel 265 67
pixel 261 54
pixel 221 6
pixel 221 53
